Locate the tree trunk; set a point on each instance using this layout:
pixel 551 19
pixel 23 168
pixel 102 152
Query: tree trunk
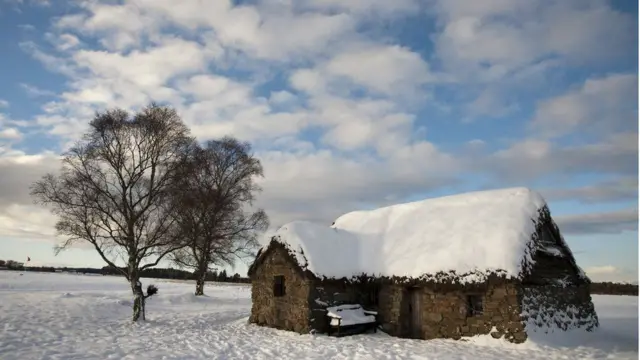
pixel 200 279
pixel 138 308
pixel 138 300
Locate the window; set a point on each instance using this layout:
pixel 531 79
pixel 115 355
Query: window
pixel 474 305
pixel 278 286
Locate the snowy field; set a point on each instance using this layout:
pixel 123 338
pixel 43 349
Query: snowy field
pixel 64 316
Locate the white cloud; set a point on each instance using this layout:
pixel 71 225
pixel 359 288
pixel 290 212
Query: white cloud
pixel 117 26
pixel 146 69
pixel 618 189
pixel 35 91
pixel 390 70
pixel 282 97
pixel 27 27
pixel 311 81
pixel 274 34
pixel 4 103
pixel 51 62
pixel 530 159
pixel 605 104
pixel 611 273
pixel 30 222
pixel 333 110
pixel 491 102
pixel 10 133
pixel 606 269
pixel 486 41
pixel 220 89
pixel 614 222
pixel 18 216
pixel 358 124
pixel 67 41
pixel 379 7
pixel 390 77
pixel 334 184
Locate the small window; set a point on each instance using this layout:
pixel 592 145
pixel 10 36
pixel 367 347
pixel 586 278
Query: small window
pixel 474 305
pixel 278 286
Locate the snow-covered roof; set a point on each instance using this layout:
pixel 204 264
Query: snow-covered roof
pixel 467 233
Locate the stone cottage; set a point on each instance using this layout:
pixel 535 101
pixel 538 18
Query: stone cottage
pixel 462 265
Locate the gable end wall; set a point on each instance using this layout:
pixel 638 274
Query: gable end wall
pixel 289 312
pixel 550 308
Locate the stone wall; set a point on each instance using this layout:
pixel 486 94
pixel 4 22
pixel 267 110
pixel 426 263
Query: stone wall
pixel 390 309
pixel 289 312
pixel 443 314
pixel 553 308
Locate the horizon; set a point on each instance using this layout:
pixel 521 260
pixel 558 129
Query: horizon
pixel 349 106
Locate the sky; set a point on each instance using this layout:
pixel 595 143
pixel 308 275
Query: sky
pixel 348 104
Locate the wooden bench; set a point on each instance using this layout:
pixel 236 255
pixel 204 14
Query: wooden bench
pixel 350 319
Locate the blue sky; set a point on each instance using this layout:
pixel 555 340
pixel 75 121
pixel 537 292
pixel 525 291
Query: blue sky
pixel 349 105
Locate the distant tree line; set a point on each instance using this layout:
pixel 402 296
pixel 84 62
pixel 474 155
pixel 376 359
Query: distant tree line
pixel 177 274
pixel 153 273
pixel 11 264
pixel 597 288
pixel 611 288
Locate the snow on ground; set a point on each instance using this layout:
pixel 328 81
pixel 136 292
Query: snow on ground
pixel 64 316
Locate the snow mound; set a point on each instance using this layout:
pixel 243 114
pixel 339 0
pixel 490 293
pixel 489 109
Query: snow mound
pixel 472 233
pixel 349 314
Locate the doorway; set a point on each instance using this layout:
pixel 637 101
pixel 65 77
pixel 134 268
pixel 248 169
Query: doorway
pixel 415 313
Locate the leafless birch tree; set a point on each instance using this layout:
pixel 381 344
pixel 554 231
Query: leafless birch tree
pixel 113 188
pixel 213 199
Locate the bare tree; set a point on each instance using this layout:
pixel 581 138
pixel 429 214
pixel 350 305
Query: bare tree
pixel 213 199
pixel 113 188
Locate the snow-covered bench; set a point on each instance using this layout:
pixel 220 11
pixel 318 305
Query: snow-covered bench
pixel 350 319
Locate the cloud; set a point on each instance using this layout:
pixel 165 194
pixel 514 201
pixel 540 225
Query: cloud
pixel 619 189
pixel 27 222
pixel 18 3
pixel 19 169
pixel 170 69
pixel 35 91
pixel 382 69
pixel 607 104
pixel 4 103
pixel 63 42
pixel 146 69
pixel 488 40
pixel 343 119
pixel 117 26
pixel 507 51
pixel 389 71
pixel 320 185
pixel 10 133
pixel 612 273
pixel 8 130
pixel 275 33
pixel 614 222
pixel 27 27
pixel 532 159
pixel 51 62
pixel 355 124
pixel 18 216
pixel 379 7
